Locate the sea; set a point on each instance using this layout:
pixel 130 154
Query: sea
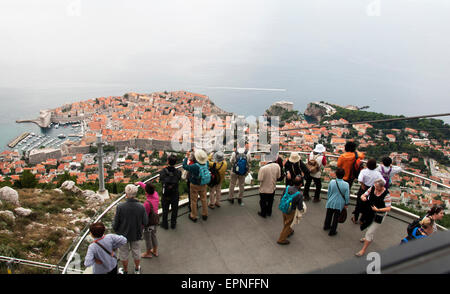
pixel 25 103
pixel 389 55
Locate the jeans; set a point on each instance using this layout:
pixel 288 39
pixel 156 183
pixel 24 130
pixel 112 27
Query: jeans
pixel 331 220
pixel 317 183
pixel 266 202
pixel 166 202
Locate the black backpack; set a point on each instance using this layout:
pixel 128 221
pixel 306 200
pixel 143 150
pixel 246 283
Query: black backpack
pixel 171 180
pixel 415 223
pixel 357 167
pixel 215 176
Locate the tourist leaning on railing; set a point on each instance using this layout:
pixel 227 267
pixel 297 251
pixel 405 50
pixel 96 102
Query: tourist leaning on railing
pixel 100 253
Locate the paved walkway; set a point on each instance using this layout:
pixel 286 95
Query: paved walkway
pixel 235 240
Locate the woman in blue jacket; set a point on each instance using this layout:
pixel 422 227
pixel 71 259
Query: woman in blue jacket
pixel 338 198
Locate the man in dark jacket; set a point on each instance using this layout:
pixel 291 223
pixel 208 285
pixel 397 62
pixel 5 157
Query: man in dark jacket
pixel 129 221
pixel 170 178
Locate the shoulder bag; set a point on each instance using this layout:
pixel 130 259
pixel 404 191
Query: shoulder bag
pixel 153 218
pixel 343 215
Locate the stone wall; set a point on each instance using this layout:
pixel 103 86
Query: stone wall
pixel 38 156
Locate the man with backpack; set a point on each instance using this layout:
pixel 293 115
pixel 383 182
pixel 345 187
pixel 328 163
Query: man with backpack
pixel 316 160
pixel 351 162
pixel 217 167
pixel 291 200
pixel 387 170
pixel 199 176
pixel 240 162
pixel 170 178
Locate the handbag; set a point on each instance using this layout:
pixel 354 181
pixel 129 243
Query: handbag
pixel 378 218
pixel 153 218
pixel 343 215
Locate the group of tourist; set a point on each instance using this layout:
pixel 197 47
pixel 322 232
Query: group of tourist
pixel 134 221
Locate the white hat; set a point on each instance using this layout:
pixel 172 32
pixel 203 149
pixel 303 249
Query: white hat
pixel 319 148
pixel 201 156
pixel 294 158
pixel 218 156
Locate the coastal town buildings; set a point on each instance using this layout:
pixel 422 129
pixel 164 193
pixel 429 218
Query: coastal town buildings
pixel 139 129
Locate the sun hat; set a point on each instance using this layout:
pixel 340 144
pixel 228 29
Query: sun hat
pixel 294 158
pixel 200 156
pixel 319 148
pixel 218 156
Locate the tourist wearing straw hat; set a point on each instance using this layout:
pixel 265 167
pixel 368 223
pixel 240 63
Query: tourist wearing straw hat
pixel 197 173
pixel 221 165
pixel 316 160
pixel 294 167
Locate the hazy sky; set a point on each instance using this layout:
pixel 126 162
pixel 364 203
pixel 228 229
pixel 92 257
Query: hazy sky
pixel 386 53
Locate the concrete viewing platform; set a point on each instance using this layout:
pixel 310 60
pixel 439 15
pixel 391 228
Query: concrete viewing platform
pixel 236 240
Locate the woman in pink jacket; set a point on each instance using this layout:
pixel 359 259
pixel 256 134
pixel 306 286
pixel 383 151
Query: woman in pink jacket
pixel 150 231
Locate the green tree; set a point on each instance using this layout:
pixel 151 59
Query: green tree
pixel 27 180
pixel 65 177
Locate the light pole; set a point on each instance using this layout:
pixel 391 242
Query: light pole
pixel 101 177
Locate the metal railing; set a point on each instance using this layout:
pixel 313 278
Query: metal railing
pixel 10 261
pixel 112 205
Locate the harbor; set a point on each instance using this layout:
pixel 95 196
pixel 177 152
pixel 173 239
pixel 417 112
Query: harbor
pixel 16 141
pixel 52 137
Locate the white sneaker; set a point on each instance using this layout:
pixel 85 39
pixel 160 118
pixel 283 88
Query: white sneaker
pixel 120 271
pixel 137 271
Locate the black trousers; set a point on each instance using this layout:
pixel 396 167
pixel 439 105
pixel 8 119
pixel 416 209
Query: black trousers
pixel 331 220
pixel 266 203
pixel 359 202
pixel 317 183
pixel 350 183
pixel 166 202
